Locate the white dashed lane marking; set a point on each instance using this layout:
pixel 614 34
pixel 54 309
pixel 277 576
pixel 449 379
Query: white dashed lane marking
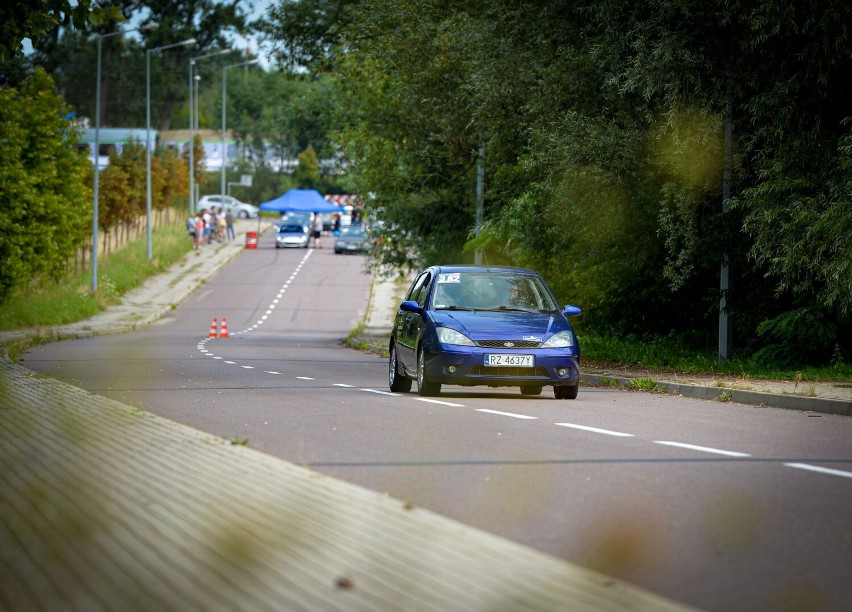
pixel 702 449
pixel 381 392
pixel 596 430
pixel 819 470
pixel 508 414
pixel 434 401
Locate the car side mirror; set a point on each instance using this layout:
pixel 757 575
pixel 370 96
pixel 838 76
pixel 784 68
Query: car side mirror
pixel 572 311
pixel 410 306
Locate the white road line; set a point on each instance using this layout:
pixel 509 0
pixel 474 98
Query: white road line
pixel 596 430
pixel 381 392
pixel 821 470
pixel 342 385
pixel 703 449
pixel 508 414
pixel 271 372
pixel 305 378
pixel 434 401
pixel 247 367
pixel 231 362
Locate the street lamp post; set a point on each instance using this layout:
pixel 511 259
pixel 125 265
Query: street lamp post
pixel 196 82
pixel 190 41
pixel 192 120
pixel 100 37
pixel 224 101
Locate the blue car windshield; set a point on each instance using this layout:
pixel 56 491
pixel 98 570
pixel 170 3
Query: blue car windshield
pixel 491 291
pixel 291 229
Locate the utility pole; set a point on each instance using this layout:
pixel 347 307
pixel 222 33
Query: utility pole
pixel 725 327
pixel 480 196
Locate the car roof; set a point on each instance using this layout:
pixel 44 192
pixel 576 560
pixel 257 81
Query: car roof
pixel 445 269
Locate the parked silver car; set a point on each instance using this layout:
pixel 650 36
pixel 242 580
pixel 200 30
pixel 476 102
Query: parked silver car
pixel 241 210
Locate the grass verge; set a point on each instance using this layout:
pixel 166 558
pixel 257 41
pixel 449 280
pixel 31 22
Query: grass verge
pixel 70 299
pixel 667 355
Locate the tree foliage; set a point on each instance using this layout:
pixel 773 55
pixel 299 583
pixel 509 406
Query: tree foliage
pixel 37 19
pixel 45 206
pixel 603 128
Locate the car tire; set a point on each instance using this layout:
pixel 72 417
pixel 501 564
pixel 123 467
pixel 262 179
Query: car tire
pixel 566 392
pixel 398 383
pixel 530 390
pixel 425 387
pixel 242 214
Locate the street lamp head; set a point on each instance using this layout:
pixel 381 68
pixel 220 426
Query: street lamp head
pixel 214 54
pixel 149 26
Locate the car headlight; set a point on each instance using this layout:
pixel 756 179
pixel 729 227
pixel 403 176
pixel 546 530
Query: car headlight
pixel 451 336
pixel 563 339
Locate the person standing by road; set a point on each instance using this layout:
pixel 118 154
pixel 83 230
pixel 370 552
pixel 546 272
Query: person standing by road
pixel 229 222
pixel 317 227
pixel 191 226
pixel 200 226
pixel 221 225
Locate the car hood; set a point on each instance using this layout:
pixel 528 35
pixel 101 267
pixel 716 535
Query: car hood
pixel 486 325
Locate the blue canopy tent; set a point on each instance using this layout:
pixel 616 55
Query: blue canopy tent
pixel 302 200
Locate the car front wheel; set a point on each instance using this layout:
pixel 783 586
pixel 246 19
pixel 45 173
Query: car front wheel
pixel 396 382
pixel 424 386
pixel 566 392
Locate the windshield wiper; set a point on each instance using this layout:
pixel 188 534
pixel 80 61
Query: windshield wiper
pixel 455 308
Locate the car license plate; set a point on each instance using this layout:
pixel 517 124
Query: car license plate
pixel 509 359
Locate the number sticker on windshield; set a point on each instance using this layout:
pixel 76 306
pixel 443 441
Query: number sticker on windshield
pixel 455 277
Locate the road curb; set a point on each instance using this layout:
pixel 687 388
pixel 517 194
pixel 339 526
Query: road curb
pixel 727 394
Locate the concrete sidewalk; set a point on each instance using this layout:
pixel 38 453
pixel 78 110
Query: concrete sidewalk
pixel 107 507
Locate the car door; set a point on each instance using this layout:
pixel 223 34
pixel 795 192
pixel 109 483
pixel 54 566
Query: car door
pixel 408 324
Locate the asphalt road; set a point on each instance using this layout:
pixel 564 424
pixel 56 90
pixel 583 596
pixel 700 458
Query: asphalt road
pixel 717 505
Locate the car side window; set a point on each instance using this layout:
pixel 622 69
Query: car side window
pixel 415 287
pixel 424 291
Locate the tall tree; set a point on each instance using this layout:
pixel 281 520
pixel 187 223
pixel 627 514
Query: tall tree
pixel 45 207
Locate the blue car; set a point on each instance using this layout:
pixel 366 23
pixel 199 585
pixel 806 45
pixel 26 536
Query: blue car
pixel 483 325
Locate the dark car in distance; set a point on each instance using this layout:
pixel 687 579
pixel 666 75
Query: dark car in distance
pixel 483 325
pixel 352 239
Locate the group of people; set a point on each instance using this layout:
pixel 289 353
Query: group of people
pixel 318 225
pixel 208 225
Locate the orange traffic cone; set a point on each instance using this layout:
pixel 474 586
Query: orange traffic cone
pixel 213 332
pixel 224 332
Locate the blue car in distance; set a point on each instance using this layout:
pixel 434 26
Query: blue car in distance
pixel 483 325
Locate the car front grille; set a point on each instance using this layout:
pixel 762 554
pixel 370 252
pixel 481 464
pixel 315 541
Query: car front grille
pixel 504 344
pixel 507 371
